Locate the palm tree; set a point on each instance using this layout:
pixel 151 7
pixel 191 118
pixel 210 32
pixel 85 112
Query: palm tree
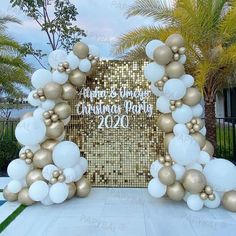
pixel 13 69
pixel 209 29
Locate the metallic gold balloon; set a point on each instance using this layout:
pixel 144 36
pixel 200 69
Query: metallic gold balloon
pixel 200 138
pixel 72 190
pixel 77 78
pixel 166 123
pixel 26 115
pixel 229 201
pixel 175 191
pixel 166 175
pixel 55 130
pixel 83 187
pixel 203 196
pixel 175 69
pixel 23 197
pixel 52 90
pixel 175 40
pixel 10 197
pixel 81 50
pixel 68 91
pixel 42 158
pixel 168 138
pixel 192 97
pixel 49 144
pixel 162 55
pixel 63 110
pixel 34 175
pixel 194 181
pixel 209 148
pixel 208 190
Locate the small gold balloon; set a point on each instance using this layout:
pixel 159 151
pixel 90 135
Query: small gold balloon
pixel 176 56
pixel 26 115
pixel 42 158
pixel 182 50
pixel 68 92
pixel 208 190
pixel 52 91
pixel 54 117
pixel 175 191
pixel 167 176
pixel 162 55
pixel 189 125
pixel 24 198
pixel 53 180
pixel 81 50
pixel 10 197
pixel 166 123
pixel 23 156
pixel 28 161
pixel 160 83
pixel 192 97
pixel 175 49
pixel 94 62
pixel 49 144
pixel 63 110
pixel 229 201
pixel 77 78
pixel 196 127
pixel 168 158
pixel 203 196
pixel 161 159
pixel 167 164
pixel 212 197
pixel 168 138
pixel 72 190
pixel 83 187
pixel 200 138
pixel 55 174
pixel 175 40
pixel 175 69
pixel 33 176
pixel 61 178
pixel 178 104
pixel 209 148
pixel 55 130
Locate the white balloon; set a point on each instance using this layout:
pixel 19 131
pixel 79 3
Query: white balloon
pixel 58 192
pixel 14 186
pixel 67 120
pixel 85 65
pixel 182 114
pixel 38 190
pixel 66 154
pixel 84 164
pixel 188 80
pixel 187 194
pixel 179 171
pixel 93 50
pixel 156 188
pixel 47 201
pixel 30 131
pixel 184 149
pixel 79 172
pixel 48 104
pixel 154 169
pixel 48 171
pixel 180 129
pixel 220 175
pixel 38 113
pixel 56 57
pixel 33 149
pixel 59 77
pixel 174 89
pixel 69 174
pixel 203 131
pixel 197 110
pixel 215 203
pixel 151 46
pixel 73 61
pixel 18 169
pixel 204 158
pixel 194 202
pixel 31 100
pixel 183 59
pixel 155 90
pixel 194 166
pixel 40 78
pixel 163 104
pixel 154 72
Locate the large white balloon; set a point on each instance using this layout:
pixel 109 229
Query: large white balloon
pixel 151 46
pixel 180 129
pixel 69 174
pixel 15 186
pixel 58 192
pixel 48 171
pixel 155 90
pixel 66 154
pixel 94 50
pixel 197 110
pixel 48 104
pixel 215 203
pixel 85 65
pixel 182 114
pixel 154 72
pixel 174 89
pixel 18 169
pixel 154 169
pixel 38 190
pixel 38 113
pixel 184 149
pixel 220 175
pixel 73 61
pixel 31 100
pixel 40 78
pixel 163 104
pixel 204 158
pixel 30 131
pixel 84 164
pixel 188 80
pixel 56 57
pixel 179 171
pixel 59 77
pixel 194 202
pixel 156 188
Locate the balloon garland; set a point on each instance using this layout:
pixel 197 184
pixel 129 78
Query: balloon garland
pixel 188 171
pixel 50 170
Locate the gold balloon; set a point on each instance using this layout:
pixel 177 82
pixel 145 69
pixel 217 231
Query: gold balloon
pixel 23 197
pixel 175 191
pixel 200 138
pixel 229 201
pixel 209 148
pixel 194 181
pixel 10 197
pixel 52 90
pixel 192 97
pixel 34 175
pixel 83 187
pixel 166 123
pixel 163 55
pixel 167 175
pixel 175 40
pixel 72 190
pixel 63 110
pixel 175 69
pixel 42 158
pixel 68 92
pixel 168 138
pixel 26 115
pixel 49 144
pixel 81 50
pixel 55 130
pixel 77 78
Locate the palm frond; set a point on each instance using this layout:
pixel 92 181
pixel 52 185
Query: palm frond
pixel 137 53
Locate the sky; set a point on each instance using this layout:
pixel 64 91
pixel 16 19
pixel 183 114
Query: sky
pixel 102 20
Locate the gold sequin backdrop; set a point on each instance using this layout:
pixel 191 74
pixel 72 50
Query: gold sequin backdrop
pixel 118 157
